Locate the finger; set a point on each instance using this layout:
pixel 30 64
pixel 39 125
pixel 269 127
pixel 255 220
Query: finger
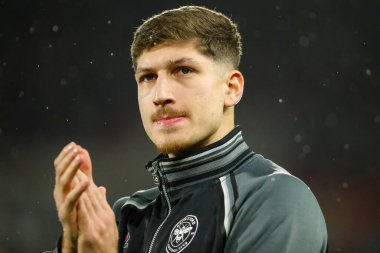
pixel 86 166
pixel 103 197
pixel 92 193
pixel 86 209
pixel 63 164
pixel 74 195
pixel 67 177
pixel 83 215
pixel 94 198
pixel 103 191
pixel 82 176
pixel 63 153
pixel 97 195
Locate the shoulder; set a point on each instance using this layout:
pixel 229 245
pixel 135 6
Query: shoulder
pixel 139 200
pixel 266 185
pixel 288 194
pixel 275 211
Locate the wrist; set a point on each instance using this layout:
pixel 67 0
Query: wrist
pixel 68 243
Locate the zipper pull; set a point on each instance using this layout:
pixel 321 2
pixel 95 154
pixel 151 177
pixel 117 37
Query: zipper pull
pixel 156 178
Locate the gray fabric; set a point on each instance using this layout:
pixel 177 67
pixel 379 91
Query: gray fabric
pixel 276 212
pixel 262 209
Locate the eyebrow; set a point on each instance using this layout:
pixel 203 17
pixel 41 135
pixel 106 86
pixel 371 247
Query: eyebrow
pixel 171 63
pixel 183 60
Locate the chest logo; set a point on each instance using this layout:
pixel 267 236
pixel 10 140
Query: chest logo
pixel 126 240
pixel 182 234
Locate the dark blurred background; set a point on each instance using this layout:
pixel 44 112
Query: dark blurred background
pixel 311 104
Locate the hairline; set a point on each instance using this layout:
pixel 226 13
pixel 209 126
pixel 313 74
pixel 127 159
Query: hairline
pixel 197 45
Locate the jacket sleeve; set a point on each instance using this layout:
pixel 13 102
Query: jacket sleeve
pixel 282 215
pixel 58 248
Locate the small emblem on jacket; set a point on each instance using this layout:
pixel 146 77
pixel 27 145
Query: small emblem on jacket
pixel 182 234
pixel 126 240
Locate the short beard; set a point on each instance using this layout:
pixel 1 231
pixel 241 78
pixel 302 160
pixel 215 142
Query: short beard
pixel 181 147
pixel 173 147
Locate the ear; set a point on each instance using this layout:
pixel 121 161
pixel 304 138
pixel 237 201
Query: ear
pixel 234 88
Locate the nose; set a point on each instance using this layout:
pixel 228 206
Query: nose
pixel 163 93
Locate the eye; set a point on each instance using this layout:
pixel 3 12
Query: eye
pixel 148 77
pixel 184 70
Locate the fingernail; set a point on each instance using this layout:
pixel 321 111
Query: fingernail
pixel 75 150
pixel 77 157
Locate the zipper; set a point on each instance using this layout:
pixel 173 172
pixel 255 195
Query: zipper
pixel 156 177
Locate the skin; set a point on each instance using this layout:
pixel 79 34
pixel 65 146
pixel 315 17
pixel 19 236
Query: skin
pixel 87 220
pixel 66 194
pixel 186 101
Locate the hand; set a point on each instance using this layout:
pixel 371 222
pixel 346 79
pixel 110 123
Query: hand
pixel 85 165
pixel 67 193
pixel 96 221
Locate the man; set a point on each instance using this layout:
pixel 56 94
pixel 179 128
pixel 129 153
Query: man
pixel 213 193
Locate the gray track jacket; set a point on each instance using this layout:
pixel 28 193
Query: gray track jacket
pixel 223 198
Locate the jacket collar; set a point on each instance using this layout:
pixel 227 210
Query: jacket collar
pixel 210 162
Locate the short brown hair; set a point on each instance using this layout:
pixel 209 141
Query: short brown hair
pixel 217 36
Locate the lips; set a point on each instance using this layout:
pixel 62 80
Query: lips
pixel 169 121
pixel 167 116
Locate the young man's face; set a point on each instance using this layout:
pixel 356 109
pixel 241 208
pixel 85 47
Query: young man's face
pixel 181 95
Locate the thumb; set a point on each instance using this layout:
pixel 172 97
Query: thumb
pixel 103 199
pixel 103 191
pixel 86 165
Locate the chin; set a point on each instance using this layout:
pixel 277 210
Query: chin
pixel 170 147
pixel 174 146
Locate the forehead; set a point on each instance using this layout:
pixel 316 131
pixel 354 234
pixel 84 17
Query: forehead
pixel 172 52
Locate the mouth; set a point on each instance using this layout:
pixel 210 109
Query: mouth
pixel 168 117
pixel 169 120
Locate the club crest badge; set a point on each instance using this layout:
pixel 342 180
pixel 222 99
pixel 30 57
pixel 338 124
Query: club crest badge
pixel 126 240
pixel 182 234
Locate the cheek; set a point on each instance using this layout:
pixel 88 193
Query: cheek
pixel 142 101
pixel 144 112
pixel 209 104
pixel 143 91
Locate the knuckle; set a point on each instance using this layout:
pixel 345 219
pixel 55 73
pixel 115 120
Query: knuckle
pixel 70 198
pixel 58 168
pixel 111 217
pixel 102 227
pixel 62 214
pixel 108 221
pixel 55 194
pixel 62 181
pixel 90 238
